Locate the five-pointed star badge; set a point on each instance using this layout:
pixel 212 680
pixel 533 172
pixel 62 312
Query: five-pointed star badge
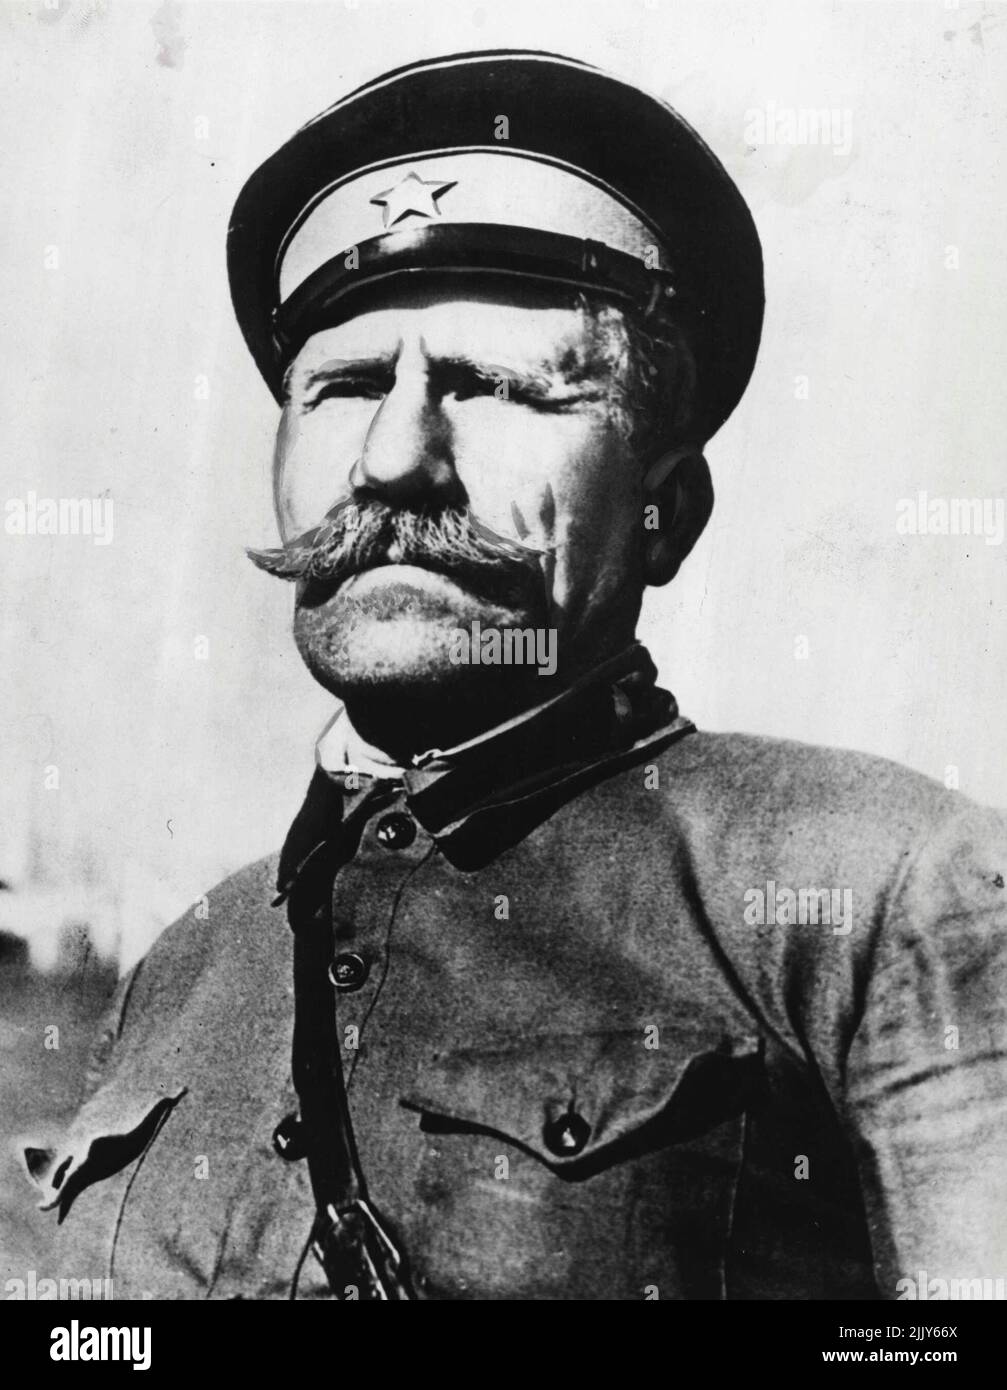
pixel 411 197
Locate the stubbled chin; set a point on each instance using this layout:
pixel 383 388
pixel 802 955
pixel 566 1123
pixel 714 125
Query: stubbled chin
pixel 390 627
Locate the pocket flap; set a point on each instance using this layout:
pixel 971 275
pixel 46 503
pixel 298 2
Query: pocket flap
pixel 114 1127
pixel 575 1100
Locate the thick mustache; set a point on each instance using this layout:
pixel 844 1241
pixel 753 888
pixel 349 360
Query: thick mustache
pixel 358 536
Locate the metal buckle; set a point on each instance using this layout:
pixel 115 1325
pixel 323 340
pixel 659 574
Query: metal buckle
pixel 354 1249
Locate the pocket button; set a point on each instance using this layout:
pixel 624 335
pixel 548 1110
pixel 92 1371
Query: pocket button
pixel 566 1136
pixel 348 971
pixel 288 1139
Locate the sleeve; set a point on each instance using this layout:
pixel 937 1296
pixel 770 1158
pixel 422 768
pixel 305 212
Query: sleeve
pixel 926 1074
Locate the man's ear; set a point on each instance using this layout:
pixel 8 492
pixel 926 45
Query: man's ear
pixel 678 500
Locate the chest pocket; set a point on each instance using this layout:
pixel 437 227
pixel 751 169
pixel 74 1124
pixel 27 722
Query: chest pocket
pixel 111 1130
pixel 587 1166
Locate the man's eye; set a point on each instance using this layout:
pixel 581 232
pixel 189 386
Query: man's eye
pixel 500 388
pixel 346 388
pixel 474 386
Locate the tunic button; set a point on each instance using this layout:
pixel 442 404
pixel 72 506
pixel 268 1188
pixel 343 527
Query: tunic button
pixel 395 831
pixel 288 1139
pixel 348 971
pixel 567 1135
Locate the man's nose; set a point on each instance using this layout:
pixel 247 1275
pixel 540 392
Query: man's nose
pixel 407 456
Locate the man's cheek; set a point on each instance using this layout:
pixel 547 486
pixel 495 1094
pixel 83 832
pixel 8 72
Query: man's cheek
pixel 307 481
pixel 297 483
pixel 515 508
pixel 512 473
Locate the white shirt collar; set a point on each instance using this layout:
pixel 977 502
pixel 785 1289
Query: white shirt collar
pixel 341 749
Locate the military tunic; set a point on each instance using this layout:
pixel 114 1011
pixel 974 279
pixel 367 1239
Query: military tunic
pixel 576 1068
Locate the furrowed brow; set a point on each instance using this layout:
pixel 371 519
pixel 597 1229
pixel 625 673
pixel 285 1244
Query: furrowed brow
pixel 333 369
pixel 336 368
pixel 543 380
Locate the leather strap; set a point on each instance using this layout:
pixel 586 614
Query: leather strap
pixel 348 1237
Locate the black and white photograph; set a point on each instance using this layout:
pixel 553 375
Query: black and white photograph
pixel 504 787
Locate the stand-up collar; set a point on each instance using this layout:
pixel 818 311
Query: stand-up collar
pixel 613 712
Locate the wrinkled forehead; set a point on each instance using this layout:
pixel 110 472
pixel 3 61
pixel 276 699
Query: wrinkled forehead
pixel 513 326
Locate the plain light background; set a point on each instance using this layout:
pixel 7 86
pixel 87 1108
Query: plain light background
pixel 128 129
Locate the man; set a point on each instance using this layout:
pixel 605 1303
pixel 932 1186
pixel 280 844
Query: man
pixel 582 1003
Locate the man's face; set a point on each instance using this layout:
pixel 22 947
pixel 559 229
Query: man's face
pixel 498 405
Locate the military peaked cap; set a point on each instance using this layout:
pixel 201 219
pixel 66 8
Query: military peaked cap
pixel 518 164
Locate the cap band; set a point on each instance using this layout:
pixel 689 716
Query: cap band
pixel 323 299
pixel 503 188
